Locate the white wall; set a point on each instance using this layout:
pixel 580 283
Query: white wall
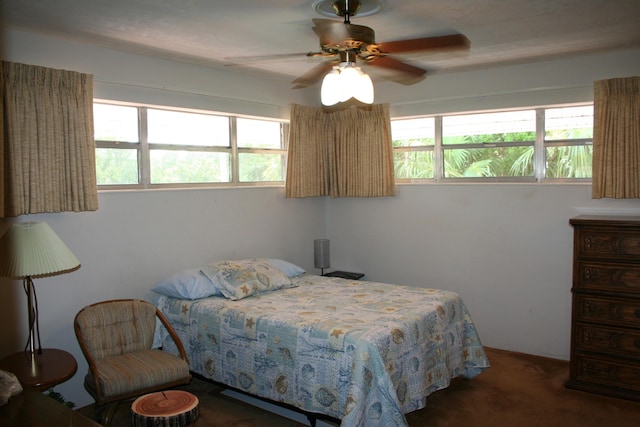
pixel 135 239
pixel 135 78
pixel 505 247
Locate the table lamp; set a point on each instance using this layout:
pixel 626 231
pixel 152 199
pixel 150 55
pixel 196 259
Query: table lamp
pixel 321 254
pixel 32 250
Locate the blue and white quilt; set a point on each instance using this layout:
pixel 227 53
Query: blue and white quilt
pixel 363 352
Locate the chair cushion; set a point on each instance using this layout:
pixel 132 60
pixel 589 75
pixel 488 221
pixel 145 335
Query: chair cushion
pixel 132 372
pixel 117 327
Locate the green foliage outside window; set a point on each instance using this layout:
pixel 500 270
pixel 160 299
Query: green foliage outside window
pixel 256 167
pixel 116 167
pixel 511 152
pixel 495 161
pixel 413 164
pixel 572 161
pixel 174 167
pixel 569 162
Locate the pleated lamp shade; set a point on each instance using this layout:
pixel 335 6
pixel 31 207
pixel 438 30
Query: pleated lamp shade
pixel 33 249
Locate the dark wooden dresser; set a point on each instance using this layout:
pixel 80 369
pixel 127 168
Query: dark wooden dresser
pixel 605 328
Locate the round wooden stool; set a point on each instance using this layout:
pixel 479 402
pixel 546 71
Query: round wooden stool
pixel 171 408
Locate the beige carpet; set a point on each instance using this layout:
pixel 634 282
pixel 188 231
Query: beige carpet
pixel 518 390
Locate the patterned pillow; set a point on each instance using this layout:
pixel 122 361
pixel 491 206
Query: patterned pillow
pixel 242 278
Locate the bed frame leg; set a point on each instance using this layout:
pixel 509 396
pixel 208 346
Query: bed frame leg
pixel 312 420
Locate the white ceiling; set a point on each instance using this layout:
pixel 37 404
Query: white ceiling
pixel 212 32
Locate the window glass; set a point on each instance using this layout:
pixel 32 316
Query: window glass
pixel 177 166
pixel 182 128
pixel 500 127
pixel 568 123
pixel 115 123
pixel 413 132
pixel 258 133
pixel 257 167
pixel 489 162
pixel 413 164
pixel 116 166
pixel 569 161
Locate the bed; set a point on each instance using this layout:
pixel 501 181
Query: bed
pixel 363 352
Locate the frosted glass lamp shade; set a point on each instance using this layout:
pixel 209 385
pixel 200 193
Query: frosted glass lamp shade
pixel 33 249
pixel 330 91
pixel 363 90
pixel 344 82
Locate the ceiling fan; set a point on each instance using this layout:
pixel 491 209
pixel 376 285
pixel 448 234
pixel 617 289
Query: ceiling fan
pixel 344 42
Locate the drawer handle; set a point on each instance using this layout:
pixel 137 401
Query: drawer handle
pixel 590 369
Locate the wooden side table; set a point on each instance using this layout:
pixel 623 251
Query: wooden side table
pixel 50 368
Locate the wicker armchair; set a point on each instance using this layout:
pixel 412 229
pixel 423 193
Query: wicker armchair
pixel 116 338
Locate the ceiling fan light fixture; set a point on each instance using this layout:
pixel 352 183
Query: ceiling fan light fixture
pixel 344 82
pixel 363 92
pixel 330 91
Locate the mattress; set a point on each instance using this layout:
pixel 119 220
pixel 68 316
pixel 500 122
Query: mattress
pixel 359 351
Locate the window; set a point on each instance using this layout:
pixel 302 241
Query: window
pixel 523 145
pixel 489 145
pixel 414 142
pixel 140 146
pixel 568 135
pixel 117 144
pixel 259 142
pixel 147 147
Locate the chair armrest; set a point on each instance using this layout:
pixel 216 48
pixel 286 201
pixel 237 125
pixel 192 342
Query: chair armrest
pixel 174 336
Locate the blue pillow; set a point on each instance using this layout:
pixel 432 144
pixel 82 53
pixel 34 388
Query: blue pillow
pixel 286 267
pixel 188 284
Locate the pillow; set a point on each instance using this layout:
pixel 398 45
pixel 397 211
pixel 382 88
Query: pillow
pixel 286 267
pixel 242 278
pixel 187 284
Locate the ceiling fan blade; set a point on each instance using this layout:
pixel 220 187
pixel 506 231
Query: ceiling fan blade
pixel 313 76
pixel 453 41
pixel 398 71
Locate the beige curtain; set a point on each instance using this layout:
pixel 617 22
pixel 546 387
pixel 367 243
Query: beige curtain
pixel 343 153
pixel 616 138
pixel 48 151
pixel 308 158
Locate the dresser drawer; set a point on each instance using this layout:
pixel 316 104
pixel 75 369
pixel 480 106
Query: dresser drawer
pixel 618 245
pixel 615 341
pixel 612 277
pixel 609 311
pixel 609 372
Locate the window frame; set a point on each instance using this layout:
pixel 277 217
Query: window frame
pixel 144 149
pixel 540 145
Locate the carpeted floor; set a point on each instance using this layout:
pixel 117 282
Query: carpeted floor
pixel 521 390
pixel 518 390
